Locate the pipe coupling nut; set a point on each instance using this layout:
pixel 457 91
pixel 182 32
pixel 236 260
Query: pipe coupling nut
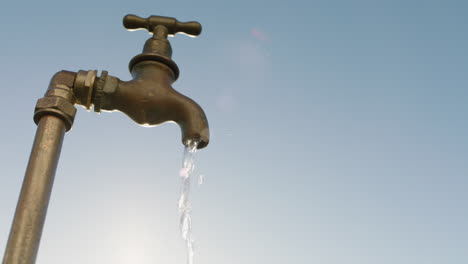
pixel 83 87
pixel 56 106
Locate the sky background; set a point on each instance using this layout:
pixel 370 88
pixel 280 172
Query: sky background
pixel 338 133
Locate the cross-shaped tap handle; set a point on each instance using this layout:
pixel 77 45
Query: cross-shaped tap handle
pixel 173 26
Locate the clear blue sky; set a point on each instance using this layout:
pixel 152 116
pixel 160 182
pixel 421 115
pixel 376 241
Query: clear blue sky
pixel 339 133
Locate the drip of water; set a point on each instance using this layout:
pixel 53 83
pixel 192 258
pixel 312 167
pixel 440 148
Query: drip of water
pixel 185 217
pixel 201 179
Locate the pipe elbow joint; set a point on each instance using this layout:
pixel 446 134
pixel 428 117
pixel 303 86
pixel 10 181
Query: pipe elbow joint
pixel 59 99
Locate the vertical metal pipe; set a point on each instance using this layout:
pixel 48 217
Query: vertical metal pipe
pixel 31 209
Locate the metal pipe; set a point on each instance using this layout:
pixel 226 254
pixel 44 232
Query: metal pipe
pixel 148 99
pixel 26 230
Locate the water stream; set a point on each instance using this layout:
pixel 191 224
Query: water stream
pixel 185 216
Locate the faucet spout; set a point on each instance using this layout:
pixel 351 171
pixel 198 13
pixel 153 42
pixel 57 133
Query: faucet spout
pixel 149 100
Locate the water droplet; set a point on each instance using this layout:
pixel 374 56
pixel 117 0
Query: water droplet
pixel 201 179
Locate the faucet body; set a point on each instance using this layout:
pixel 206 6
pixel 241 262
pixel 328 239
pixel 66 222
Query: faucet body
pixel 148 99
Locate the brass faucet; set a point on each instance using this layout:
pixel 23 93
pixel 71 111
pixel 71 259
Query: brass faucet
pixel 148 99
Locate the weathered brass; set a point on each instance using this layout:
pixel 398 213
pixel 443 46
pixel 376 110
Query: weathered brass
pixel 148 99
pixel 26 230
pixel 84 83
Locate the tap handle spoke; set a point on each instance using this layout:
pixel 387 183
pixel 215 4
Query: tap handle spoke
pixel 173 26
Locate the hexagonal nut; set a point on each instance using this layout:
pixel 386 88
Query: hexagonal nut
pixel 83 87
pixel 56 106
pixel 60 91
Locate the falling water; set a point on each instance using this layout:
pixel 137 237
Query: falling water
pixel 184 203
